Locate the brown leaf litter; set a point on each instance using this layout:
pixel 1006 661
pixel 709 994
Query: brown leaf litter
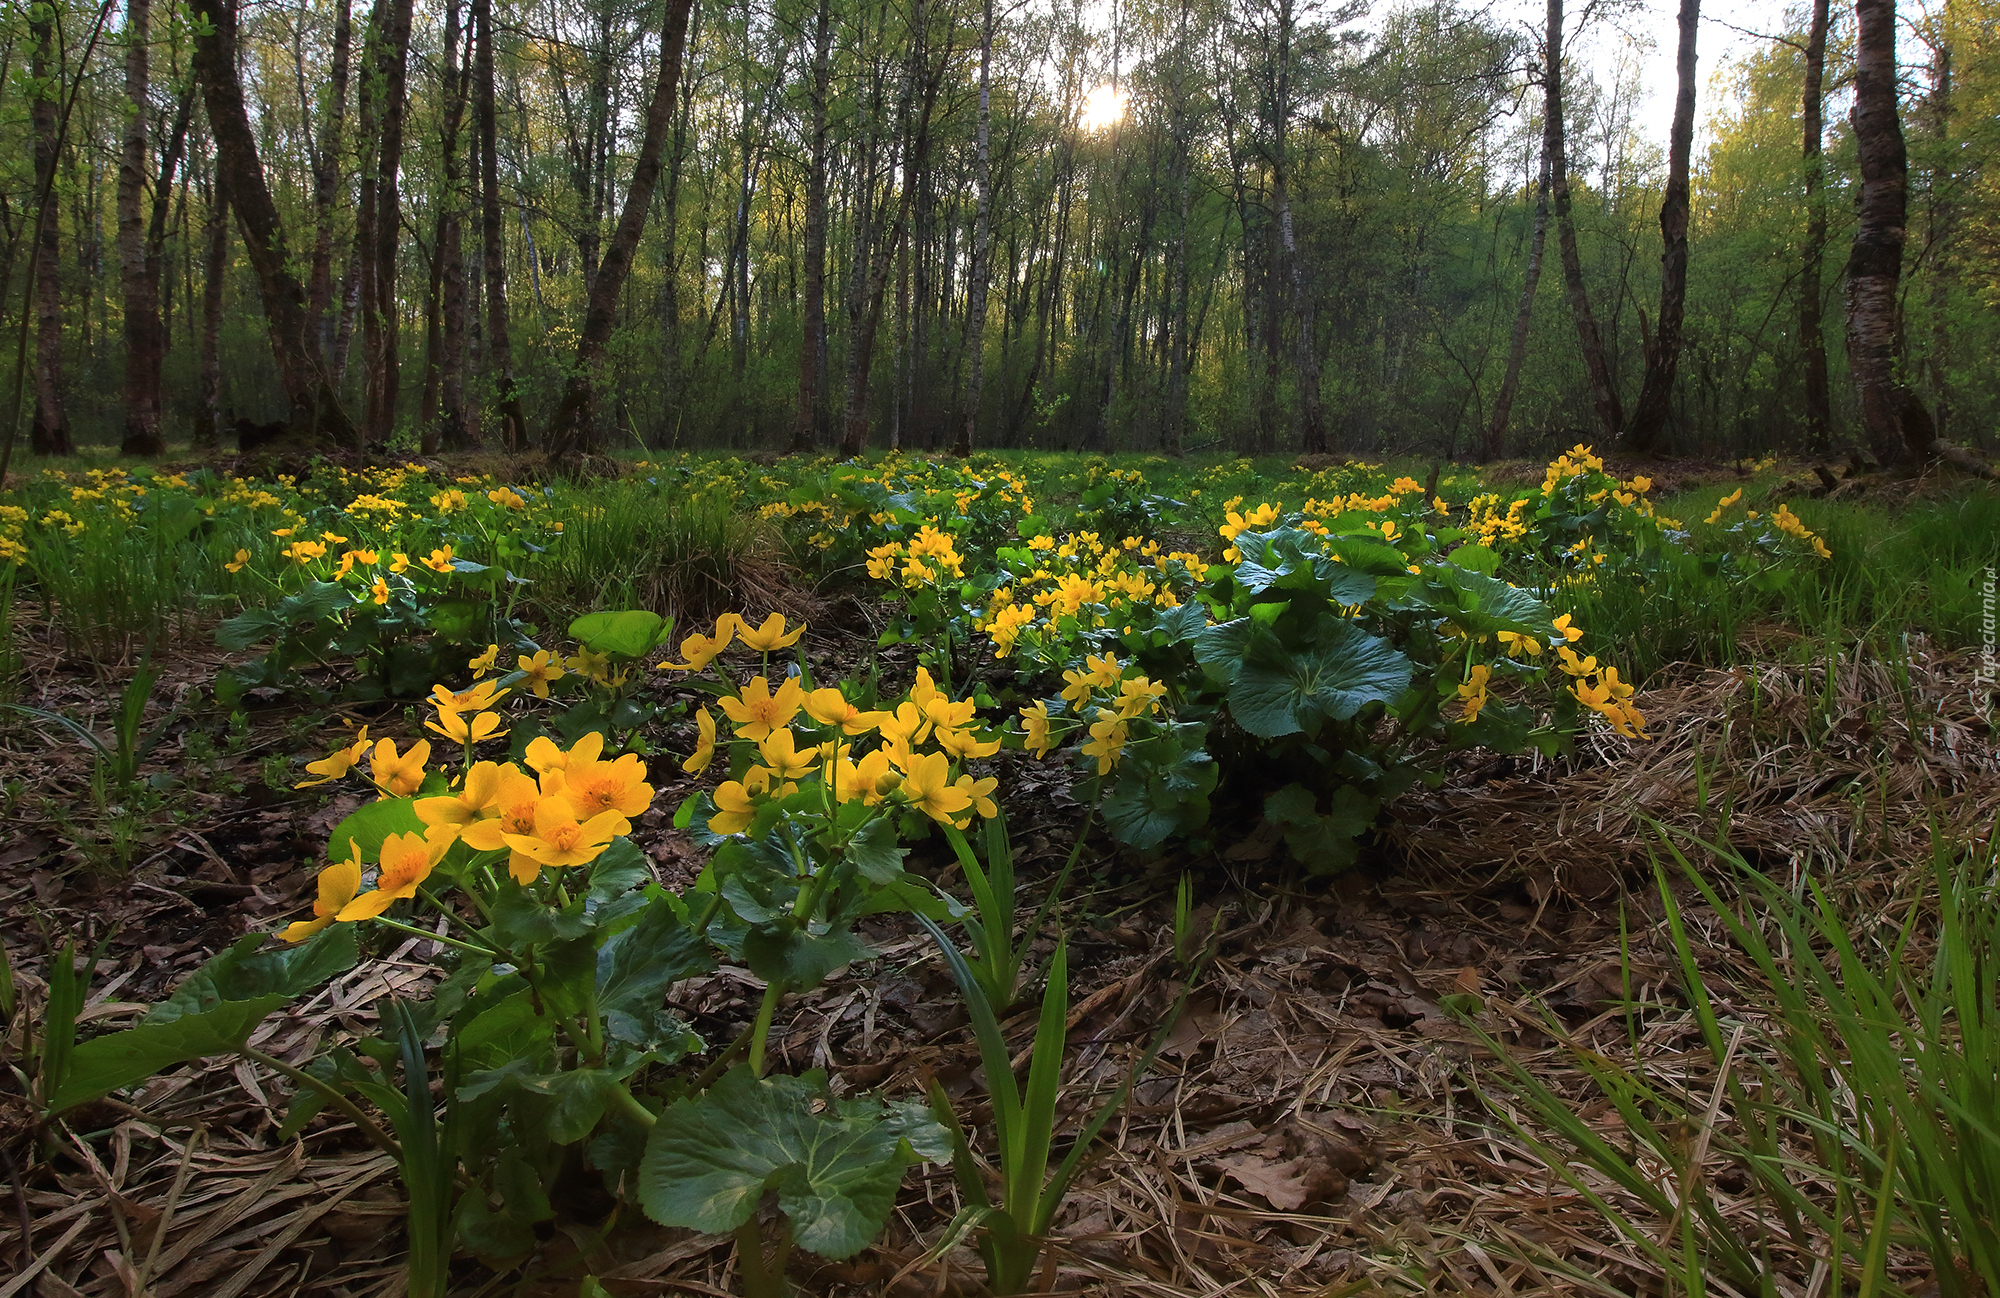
pixel 1316 1123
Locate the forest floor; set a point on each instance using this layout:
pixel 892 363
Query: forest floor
pixel 1317 1123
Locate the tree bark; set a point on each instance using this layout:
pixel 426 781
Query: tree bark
pixel 1603 388
pixel 49 433
pixel 914 150
pixel 215 267
pixel 1663 355
pixel 982 245
pixel 1812 332
pixel 455 430
pixel 1897 426
pixel 316 414
pixel 808 423
pixel 326 180
pixel 493 240
pixel 389 42
pixel 144 345
pixel 570 432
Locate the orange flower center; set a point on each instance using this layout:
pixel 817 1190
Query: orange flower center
pixel 565 837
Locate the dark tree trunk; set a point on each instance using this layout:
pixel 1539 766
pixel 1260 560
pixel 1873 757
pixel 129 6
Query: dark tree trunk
pixel 389 42
pixel 915 150
pixel 144 345
pixel 49 433
pixel 808 424
pixel 1897 425
pixel 1663 355
pixel 570 431
pixel 455 429
pixel 215 267
pixel 1812 333
pixel 316 414
pixel 1603 388
pixel 982 246
pixel 493 242
pixel 326 179
pixel 1941 185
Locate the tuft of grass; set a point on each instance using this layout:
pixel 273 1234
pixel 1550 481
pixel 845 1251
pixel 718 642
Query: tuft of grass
pixel 628 545
pixel 1849 1113
pixel 1911 568
pixel 114 588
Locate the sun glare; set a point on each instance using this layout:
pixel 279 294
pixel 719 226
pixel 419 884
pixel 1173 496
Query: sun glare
pixel 1103 107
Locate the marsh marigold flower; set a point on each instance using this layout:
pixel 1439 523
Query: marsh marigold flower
pixel 704 749
pixel 927 784
pixel 768 637
pixel 406 861
pixel 337 885
pixel 539 672
pixel 756 712
pixel 398 775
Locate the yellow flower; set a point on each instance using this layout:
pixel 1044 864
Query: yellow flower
pixel 704 751
pixel 698 651
pixel 513 813
pixel 506 498
pixel 379 592
pixel 830 707
pixel 485 662
pixel 560 840
pixel 757 712
pixel 439 560
pixel 483 785
pixel 1140 694
pixel 1473 692
pixel 928 786
pixel 1518 645
pixel 453 726
pixel 860 781
pixel 597 787
pixel 963 744
pixel 540 672
pixel 398 776
pixel 981 794
pixel 338 763
pixel 779 751
pixel 1035 726
pixel 480 697
pixel 544 756
pixel 304 552
pixel 1107 742
pixel 333 538
pixel 770 636
pixel 337 885
pixel 407 860
pixel 399 563
pixel 239 563
pixel 1572 634
pixel 591 664
pixel 736 802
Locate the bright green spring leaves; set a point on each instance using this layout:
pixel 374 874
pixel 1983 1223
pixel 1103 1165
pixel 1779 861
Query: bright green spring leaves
pixel 1327 670
pixel 834 1164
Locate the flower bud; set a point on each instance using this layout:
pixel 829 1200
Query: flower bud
pixel 888 783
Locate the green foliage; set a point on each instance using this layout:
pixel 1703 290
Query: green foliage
pixel 1856 1095
pixel 833 1164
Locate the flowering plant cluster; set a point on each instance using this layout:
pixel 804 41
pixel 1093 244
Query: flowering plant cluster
pixel 558 953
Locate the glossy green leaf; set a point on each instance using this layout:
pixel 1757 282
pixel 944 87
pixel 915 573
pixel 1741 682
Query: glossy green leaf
pixel 1276 694
pixel 835 1170
pixel 255 967
pixel 104 1064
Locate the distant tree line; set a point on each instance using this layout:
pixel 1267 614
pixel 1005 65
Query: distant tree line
pixel 1177 225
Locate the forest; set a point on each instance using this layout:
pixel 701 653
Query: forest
pixel 1158 226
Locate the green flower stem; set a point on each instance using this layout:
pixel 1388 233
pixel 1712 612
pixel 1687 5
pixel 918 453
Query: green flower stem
pixel 761 1029
pixel 299 1077
pixel 627 1104
pixel 715 1070
pixel 451 918
pixel 439 938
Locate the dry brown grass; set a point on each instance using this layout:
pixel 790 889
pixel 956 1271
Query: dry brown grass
pixel 1311 1129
